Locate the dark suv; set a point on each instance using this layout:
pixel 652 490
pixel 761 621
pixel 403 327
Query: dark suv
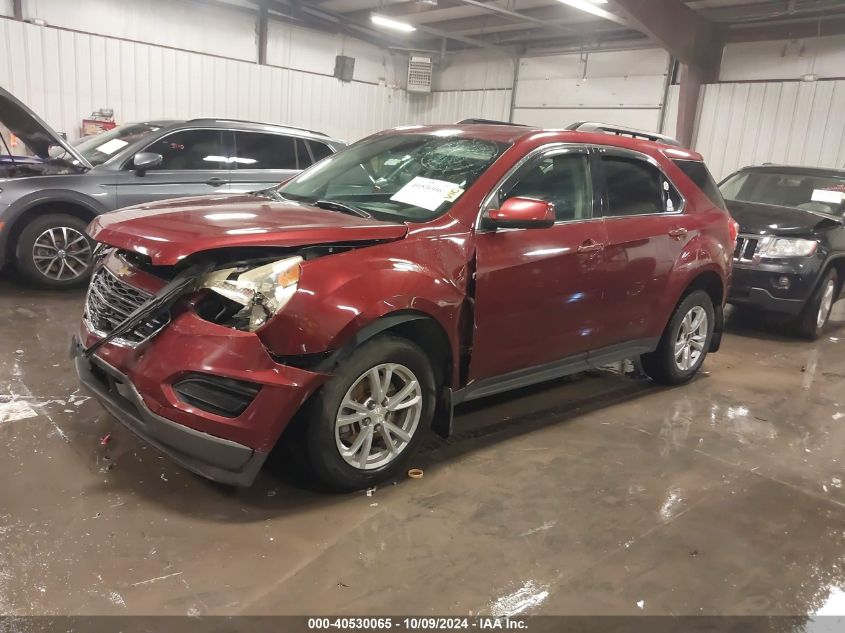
pixel 50 189
pixel 790 255
pixel 416 269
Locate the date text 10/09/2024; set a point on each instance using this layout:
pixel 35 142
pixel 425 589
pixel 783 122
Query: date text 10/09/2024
pixel 483 623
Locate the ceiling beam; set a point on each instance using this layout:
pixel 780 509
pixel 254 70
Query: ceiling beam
pixel 299 8
pixel 786 30
pixel 685 34
pixel 494 8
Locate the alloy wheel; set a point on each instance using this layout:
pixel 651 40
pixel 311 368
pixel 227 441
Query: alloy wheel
pixel 378 416
pixel 826 303
pixel 62 253
pixel 692 337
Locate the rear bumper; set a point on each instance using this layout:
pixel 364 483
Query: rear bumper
pixel 212 457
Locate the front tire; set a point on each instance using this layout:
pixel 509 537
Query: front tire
pixel 685 342
pixel 816 313
pixel 54 252
pixel 368 420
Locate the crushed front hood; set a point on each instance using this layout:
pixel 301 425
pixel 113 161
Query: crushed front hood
pixel 169 231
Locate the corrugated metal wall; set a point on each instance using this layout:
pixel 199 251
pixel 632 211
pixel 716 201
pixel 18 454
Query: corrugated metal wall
pixel 620 87
pixel 64 76
pixel 796 123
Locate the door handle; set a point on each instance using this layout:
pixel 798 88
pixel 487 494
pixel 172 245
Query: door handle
pixel 215 182
pixel 678 233
pixel 590 247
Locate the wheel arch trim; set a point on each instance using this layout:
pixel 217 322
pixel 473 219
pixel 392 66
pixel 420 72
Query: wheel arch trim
pixel 26 204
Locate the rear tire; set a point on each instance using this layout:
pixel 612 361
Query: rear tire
pixel 685 341
pixel 815 315
pixel 331 436
pixel 54 252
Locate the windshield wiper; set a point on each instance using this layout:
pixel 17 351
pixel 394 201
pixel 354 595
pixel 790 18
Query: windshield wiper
pixel 334 205
pixel 267 193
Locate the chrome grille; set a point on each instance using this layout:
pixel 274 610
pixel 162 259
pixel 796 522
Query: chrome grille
pixel 110 301
pixel 746 247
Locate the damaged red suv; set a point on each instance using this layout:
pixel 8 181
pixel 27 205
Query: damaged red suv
pixel 422 267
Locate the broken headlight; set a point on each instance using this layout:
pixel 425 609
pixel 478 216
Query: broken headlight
pixel 262 291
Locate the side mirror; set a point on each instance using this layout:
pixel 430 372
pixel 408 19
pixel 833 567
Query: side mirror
pixel 146 160
pixel 522 213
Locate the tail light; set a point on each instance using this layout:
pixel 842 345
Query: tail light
pixel 733 229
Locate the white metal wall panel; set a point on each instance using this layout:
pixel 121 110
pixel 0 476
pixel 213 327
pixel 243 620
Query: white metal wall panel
pixel 784 59
pixel 620 87
pixel 6 7
pixel 64 76
pixel 178 23
pixel 313 51
pixel 474 70
pixel 796 123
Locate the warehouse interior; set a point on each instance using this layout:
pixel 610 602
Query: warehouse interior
pixel 592 494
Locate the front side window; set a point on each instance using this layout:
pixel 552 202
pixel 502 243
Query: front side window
pixel 822 194
pixel 256 150
pixel 563 180
pixel 636 187
pixel 191 150
pixel 101 147
pixel 400 177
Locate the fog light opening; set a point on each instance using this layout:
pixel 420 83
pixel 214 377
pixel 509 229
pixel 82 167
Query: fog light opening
pixel 783 282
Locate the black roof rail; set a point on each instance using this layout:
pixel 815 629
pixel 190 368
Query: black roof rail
pixel 290 127
pixel 618 130
pixel 488 122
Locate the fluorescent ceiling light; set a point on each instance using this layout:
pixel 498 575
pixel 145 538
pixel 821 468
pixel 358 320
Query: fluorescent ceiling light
pixel 590 6
pixel 391 24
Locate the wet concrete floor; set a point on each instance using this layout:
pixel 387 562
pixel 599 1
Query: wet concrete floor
pixel 600 494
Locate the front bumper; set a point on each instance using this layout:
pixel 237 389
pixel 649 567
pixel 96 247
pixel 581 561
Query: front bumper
pixel 212 457
pixel 755 285
pixel 136 385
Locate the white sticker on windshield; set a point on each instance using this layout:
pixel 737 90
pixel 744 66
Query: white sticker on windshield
pixel 828 196
pixel 110 147
pixel 427 193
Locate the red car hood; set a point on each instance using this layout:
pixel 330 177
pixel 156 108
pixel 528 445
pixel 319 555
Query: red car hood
pixel 171 230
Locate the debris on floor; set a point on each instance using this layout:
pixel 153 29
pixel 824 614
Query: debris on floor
pixel 370 491
pixel 641 604
pixel 416 473
pixel 105 439
pixel 14 410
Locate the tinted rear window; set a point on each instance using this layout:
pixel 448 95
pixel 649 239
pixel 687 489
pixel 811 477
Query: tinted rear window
pixel 700 175
pixel 320 150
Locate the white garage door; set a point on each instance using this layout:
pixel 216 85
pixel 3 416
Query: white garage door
pixel 618 87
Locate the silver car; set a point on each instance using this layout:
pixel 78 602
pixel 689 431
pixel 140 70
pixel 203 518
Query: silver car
pixel 50 189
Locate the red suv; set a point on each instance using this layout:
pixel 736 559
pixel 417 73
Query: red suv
pixel 419 268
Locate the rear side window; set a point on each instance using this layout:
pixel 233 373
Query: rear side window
pixel 320 150
pixel 700 175
pixel 636 187
pixel 255 150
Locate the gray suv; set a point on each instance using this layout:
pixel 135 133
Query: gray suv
pixel 50 189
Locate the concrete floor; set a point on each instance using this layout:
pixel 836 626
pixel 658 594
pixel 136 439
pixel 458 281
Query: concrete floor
pixel 600 494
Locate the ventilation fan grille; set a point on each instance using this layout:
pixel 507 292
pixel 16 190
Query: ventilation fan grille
pixel 419 74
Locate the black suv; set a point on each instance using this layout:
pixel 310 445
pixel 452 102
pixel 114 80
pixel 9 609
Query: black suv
pixel 790 255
